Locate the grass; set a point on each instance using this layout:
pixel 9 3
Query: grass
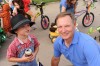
pixel 47 1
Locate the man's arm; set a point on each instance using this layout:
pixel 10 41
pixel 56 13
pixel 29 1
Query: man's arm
pixel 92 53
pixel 55 61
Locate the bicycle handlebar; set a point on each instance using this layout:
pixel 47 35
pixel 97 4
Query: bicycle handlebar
pixel 38 5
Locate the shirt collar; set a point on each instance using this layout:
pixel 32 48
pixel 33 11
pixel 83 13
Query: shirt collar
pixel 22 41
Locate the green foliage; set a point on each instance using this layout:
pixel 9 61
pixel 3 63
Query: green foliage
pixel 98 28
pixel 47 1
pixel 90 30
pixel 2 36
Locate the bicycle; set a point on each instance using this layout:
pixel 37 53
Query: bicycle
pixel 88 17
pixel 44 18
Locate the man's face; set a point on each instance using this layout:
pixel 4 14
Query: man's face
pixel 65 27
pixel 23 30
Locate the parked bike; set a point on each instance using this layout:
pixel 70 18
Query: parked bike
pixel 44 18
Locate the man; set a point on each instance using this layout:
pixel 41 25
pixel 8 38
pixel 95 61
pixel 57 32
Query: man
pixel 79 48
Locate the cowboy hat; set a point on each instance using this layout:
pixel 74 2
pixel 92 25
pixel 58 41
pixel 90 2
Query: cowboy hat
pixel 18 21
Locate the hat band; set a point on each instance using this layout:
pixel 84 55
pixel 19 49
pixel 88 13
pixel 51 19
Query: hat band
pixel 20 22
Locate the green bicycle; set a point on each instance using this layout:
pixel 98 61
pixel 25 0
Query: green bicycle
pixel 44 18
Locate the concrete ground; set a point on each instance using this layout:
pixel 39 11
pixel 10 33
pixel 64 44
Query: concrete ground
pixel 46 47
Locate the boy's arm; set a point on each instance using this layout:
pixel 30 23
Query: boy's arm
pixel 33 56
pixel 23 59
pixel 36 50
pixel 30 1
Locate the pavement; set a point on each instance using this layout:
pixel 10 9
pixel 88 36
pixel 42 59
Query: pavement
pixel 46 47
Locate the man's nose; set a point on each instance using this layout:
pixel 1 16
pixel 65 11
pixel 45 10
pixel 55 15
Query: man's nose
pixel 63 29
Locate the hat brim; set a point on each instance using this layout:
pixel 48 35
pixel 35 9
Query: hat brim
pixel 28 22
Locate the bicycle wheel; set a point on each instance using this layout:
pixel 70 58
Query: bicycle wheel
pixel 45 22
pixel 88 19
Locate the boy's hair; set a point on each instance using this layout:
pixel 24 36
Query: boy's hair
pixel 69 2
pixel 63 14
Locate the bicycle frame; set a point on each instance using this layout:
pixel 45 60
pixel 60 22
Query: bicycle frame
pixel 40 6
pixel 79 13
pixel 44 18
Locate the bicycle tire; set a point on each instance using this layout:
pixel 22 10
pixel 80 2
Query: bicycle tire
pixel 87 24
pixel 45 22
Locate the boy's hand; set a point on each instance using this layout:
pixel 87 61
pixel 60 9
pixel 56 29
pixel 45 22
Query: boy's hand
pixel 27 59
pixel 33 56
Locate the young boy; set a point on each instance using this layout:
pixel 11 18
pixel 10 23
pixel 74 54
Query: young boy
pixel 16 51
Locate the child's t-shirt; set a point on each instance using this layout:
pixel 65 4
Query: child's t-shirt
pixel 26 5
pixel 17 47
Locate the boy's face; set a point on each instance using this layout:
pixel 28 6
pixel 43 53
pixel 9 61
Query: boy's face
pixel 23 30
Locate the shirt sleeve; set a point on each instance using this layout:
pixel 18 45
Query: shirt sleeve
pixel 11 51
pixel 56 46
pixel 92 53
pixel 63 3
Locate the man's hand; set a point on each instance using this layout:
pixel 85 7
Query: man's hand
pixel 55 61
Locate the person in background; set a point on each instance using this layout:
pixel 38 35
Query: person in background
pixel 5 15
pixel 26 7
pixel 79 48
pixel 68 6
pixel 88 4
pixel 18 49
pixel 11 5
pixel 19 8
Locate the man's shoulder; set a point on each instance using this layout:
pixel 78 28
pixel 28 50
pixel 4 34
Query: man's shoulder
pixel 58 40
pixel 85 36
pixel 86 39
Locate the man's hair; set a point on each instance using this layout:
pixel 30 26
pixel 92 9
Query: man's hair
pixel 63 14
